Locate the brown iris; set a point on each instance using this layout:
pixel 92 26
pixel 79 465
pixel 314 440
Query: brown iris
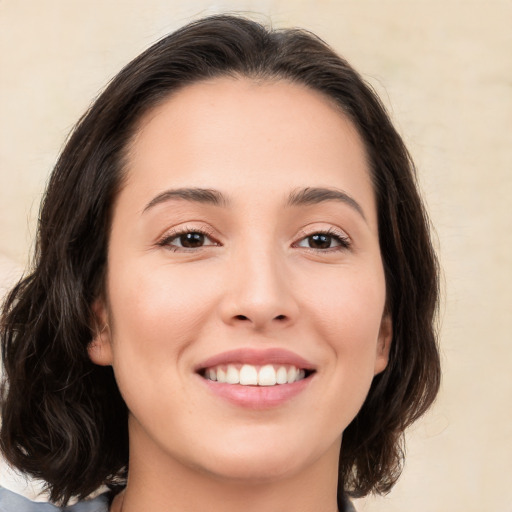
pixel 320 241
pixel 192 240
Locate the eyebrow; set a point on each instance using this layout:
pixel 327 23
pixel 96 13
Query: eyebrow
pixel 316 195
pixel 197 195
pixel 299 197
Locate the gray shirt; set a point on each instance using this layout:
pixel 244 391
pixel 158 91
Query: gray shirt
pixel 12 502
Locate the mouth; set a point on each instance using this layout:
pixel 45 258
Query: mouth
pixel 246 374
pixel 257 378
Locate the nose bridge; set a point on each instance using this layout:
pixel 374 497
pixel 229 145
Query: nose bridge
pixel 260 291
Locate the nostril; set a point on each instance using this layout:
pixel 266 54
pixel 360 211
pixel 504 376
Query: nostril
pixel 280 318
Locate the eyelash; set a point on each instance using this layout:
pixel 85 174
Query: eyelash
pixel 341 238
pixel 169 237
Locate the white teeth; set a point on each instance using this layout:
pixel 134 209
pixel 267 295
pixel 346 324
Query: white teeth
pixel 267 376
pixel 232 375
pixel 221 375
pixel 291 374
pixel 281 375
pixel 249 375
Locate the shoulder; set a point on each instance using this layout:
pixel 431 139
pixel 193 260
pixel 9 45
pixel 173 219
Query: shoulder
pixel 12 502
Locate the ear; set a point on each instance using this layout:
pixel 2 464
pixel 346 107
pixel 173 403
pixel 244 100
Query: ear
pixel 384 343
pixel 100 348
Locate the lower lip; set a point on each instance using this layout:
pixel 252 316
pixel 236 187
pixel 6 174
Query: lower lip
pixel 257 397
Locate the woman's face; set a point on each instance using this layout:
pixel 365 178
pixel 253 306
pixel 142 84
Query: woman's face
pixel 244 246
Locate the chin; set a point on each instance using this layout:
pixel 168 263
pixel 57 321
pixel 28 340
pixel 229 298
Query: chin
pixel 267 460
pixel 259 471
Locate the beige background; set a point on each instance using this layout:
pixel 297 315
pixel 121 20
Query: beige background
pixel 444 68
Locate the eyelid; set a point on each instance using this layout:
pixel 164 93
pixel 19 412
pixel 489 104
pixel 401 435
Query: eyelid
pixel 345 240
pixel 171 234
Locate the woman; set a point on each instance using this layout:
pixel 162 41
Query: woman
pixel 234 288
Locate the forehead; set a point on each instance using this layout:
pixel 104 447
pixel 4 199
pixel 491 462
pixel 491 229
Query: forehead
pixel 241 135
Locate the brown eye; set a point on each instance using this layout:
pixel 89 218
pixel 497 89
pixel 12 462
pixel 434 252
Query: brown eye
pixel 191 240
pixel 320 241
pixel 324 241
pixel 187 240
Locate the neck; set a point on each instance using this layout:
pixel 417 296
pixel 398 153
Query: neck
pixel 164 484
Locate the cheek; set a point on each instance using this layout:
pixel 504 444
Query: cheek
pixel 155 315
pixel 347 306
pixel 346 315
pixel 159 303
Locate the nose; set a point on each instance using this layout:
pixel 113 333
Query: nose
pixel 259 292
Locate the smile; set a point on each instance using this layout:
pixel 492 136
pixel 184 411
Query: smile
pixel 256 378
pixel 255 375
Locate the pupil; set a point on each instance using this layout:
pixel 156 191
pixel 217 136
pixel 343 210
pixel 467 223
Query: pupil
pixel 320 241
pixel 192 240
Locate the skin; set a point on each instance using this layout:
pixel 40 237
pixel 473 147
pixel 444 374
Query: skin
pixel 258 282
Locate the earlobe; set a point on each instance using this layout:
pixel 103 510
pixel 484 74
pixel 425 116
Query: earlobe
pixel 100 347
pixel 384 343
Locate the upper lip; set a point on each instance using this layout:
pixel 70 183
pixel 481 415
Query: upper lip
pixel 256 357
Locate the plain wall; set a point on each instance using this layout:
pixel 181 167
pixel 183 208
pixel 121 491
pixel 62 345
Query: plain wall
pixel 444 69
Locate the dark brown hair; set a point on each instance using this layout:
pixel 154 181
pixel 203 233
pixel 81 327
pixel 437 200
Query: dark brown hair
pixel 63 418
